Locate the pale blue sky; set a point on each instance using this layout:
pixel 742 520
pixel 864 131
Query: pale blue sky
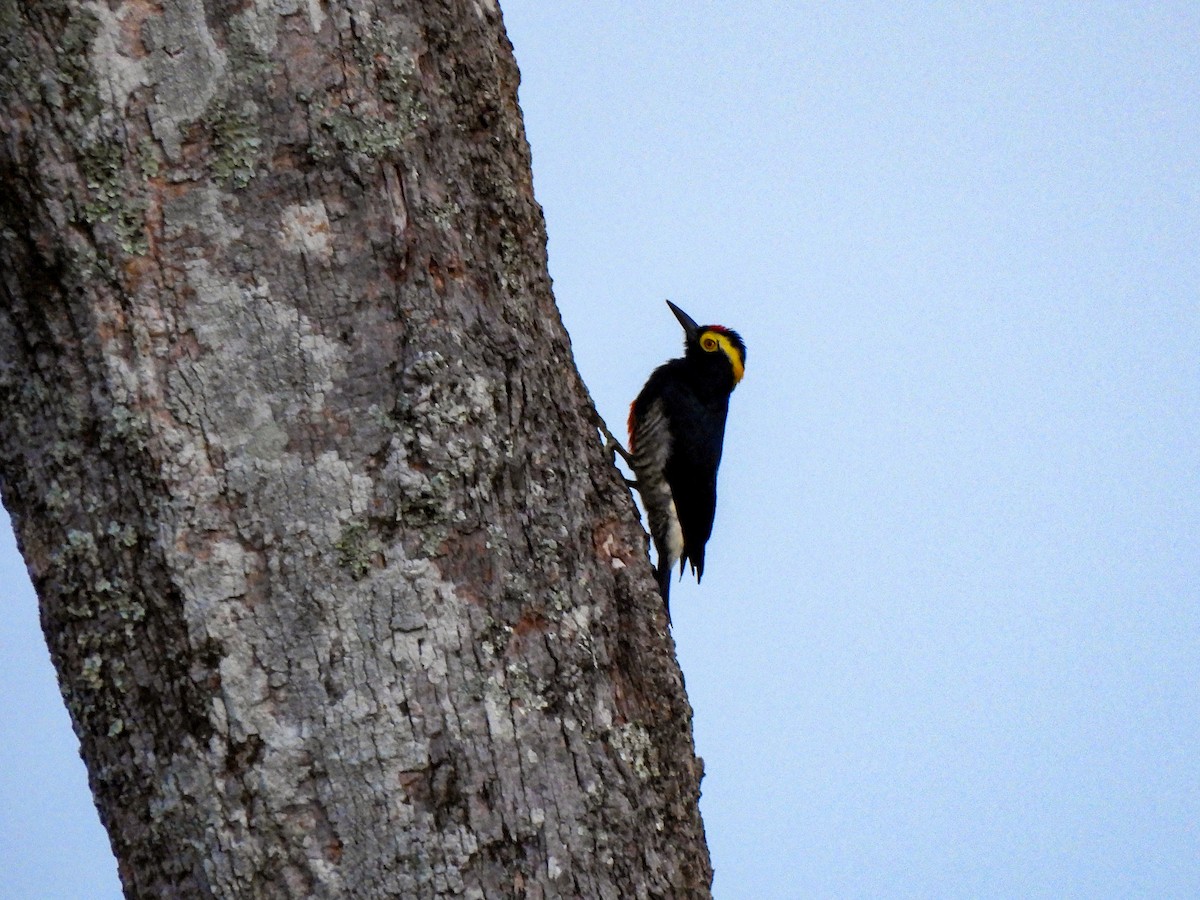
pixel 948 642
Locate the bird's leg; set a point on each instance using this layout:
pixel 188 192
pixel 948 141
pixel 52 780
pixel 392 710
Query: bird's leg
pixel 612 447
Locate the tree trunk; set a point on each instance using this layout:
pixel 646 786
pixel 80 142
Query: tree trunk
pixel 344 598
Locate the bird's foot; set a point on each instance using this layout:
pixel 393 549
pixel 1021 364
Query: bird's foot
pixel 613 447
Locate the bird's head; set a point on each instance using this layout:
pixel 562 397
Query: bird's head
pixel 712 344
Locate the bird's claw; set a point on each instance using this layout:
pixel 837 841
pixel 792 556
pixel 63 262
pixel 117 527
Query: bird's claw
pixel 613 447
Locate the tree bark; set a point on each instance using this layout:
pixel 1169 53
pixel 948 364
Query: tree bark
pixel 343 596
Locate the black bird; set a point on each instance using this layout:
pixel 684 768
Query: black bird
pixel 676 429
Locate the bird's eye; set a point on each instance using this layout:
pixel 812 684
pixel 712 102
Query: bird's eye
pixel 709 343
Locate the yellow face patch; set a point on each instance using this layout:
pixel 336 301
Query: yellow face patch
pixel 714 341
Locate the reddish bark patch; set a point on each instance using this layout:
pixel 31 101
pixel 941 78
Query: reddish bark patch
pixel 531 621
pixel 611 546
pixel 466 561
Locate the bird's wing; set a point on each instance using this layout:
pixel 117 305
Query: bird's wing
pixel 650 442
pixel 691 472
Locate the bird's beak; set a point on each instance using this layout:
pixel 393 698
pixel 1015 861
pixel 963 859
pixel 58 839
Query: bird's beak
pixel 688 323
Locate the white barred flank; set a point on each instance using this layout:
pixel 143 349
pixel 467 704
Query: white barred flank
pixel 651 445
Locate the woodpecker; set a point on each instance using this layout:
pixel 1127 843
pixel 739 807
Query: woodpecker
pixel 676 429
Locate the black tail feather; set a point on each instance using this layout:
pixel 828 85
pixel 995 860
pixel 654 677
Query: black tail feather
pixel 664 587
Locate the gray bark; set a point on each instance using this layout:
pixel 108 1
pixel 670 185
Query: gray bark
pixel 344 598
